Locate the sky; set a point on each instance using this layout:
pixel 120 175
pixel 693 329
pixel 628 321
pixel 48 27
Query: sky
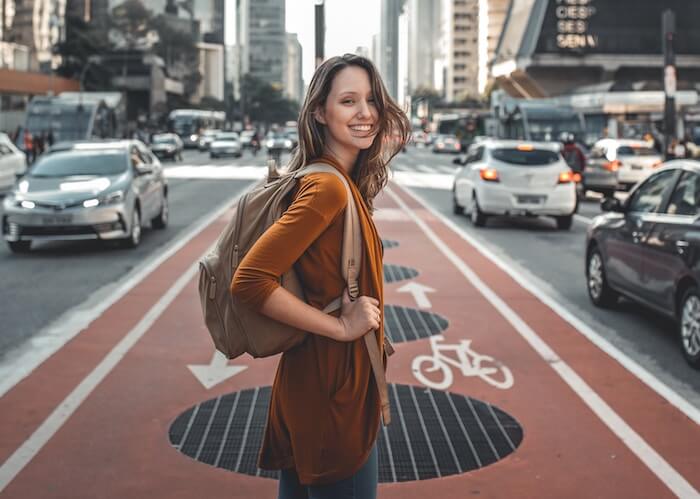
pixel 349 24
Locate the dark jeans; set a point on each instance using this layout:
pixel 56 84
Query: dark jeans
pixel 362 485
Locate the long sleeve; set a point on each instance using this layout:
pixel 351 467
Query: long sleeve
pixel 320 198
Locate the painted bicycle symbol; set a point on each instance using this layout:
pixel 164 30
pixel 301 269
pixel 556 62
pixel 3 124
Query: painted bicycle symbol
pixel 468 362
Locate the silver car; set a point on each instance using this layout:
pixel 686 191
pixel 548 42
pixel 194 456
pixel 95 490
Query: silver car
pixel 87 190
pixel 225 144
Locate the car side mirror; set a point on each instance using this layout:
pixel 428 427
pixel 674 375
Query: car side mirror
pixel 612 204
pixel 458 161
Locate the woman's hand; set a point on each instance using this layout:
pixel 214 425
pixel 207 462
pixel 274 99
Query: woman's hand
pixel 358 317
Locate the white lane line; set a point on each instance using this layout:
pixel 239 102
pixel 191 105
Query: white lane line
pixel 425 169
pixel 31 447
pixel 661 388
pixel 583 219
pixel 22 361
pixel 647 454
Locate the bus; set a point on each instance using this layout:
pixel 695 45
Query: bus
pixel 73 116
pixel 189 123
pixel 539 121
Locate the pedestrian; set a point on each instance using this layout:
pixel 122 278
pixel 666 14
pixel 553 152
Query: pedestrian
pixel 29 145
pixel 49 138
pixel 324 412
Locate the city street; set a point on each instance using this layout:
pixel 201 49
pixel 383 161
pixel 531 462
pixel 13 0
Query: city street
pixel 562 399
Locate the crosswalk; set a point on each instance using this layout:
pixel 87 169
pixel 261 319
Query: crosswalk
pixel 418 175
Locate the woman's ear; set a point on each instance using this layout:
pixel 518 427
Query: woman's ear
pixel 318 115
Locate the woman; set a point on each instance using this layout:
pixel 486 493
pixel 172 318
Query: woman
pixel 324 409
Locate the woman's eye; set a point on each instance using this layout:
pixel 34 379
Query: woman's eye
pixel 348 101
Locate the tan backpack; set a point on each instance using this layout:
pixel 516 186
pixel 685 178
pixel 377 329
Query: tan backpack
pixel 237 329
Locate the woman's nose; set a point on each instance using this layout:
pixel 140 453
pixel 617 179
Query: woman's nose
pixel 364 109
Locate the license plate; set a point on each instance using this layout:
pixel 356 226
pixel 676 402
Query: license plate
pixel 530 199
pixel 57 219
pixel 637 167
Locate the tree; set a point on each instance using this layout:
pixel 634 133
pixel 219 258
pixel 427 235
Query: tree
pixel 263 103
pixel 83 41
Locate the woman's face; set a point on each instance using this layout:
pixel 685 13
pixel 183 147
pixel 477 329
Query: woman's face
pixel 349 113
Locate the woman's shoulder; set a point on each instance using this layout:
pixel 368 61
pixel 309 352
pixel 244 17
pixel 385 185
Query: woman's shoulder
pixel 323 188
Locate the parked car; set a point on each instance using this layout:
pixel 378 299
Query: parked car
pixel 89 190
pixel 446 143
pixel 647 248
pixel 206 138
pixel 13 162
pixel 619 164
pixel 507 177
pixel 167 146
pixel 293 135
pixel 225 144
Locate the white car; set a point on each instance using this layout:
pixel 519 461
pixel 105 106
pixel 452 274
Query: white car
pixel 508 177
pixel 13 162
pixel 225 144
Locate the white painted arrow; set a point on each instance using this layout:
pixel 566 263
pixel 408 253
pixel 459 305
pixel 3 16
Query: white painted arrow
pixel 216 371
pixel 419 292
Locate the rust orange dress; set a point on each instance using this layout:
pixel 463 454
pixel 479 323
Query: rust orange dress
pixel 324 411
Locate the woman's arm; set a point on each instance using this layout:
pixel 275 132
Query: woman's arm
pixel 356 319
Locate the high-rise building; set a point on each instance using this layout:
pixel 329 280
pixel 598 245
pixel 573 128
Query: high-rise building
pixel 261 35
pixel 492 15
pixel 462 44
pixel 423 42
pixel 293 80
pixel 389 44
pixel 37 24
pixel 376 54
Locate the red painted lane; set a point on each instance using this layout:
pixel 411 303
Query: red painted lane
pixel 116 444
pixel 28 404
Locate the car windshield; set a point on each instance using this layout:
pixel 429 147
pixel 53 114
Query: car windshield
pixel 247 133
pixel 68 163
pixel 227 136
pixel 531 157
pixel 276 136
pixel 636 151
pixel 163 139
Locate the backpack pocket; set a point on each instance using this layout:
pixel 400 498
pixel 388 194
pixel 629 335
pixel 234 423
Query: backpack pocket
pixel 213 316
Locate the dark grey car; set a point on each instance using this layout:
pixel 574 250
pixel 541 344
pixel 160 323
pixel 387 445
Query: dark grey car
pixel 648 249
pixel 88 190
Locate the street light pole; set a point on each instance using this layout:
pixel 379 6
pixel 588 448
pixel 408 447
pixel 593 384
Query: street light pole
pixel 320 31
pixel 668 25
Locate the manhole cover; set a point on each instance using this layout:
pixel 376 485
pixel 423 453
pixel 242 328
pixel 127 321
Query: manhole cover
pixel 408 324
pixel 395 273
pixel 388 243
pixel 433 433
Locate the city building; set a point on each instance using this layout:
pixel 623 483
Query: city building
pixel 461 32
pixel 376 53
pixel 389 44
pixel 38 25
pixel 260 32
pixel 492 16
pixel 293 79
pixel 211 68
pixel 423 42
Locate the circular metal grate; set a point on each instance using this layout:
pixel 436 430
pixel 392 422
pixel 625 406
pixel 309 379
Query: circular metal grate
pixel 433 433
pixel 388 243
pixel 395 273
pixel 408 324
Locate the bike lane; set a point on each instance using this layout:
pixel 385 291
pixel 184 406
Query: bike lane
pixel 119 440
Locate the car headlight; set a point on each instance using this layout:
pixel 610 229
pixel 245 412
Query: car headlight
pixel 27 204
pixel 270 144
pixel 194 137
pixel 111 198
pixel 287 143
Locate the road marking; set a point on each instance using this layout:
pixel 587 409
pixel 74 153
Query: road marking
pixel 583 219
pixel 419 292
pixel 658 386
pixel 31 447
pixel 216 371
pixel 23 360
pixel 441 181
pixel 648 455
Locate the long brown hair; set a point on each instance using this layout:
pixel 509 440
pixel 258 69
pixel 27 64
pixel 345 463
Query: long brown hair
pixel 370 172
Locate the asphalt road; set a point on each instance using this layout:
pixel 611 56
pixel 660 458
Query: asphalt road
pixel 554 261
pixel 41 288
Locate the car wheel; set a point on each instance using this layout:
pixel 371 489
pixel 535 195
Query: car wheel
pixel 477 216
pixel 689 326
pixel 456 208
pixel 564 223
pixel 212 156
pixel 134 238
pixel 19 246
pixel 161 221
pixel 600 293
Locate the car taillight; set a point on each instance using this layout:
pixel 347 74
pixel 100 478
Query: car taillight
pixel 566 177
pixel 612 166
pixel 489 174
pixel 577 178
pixel 657 164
